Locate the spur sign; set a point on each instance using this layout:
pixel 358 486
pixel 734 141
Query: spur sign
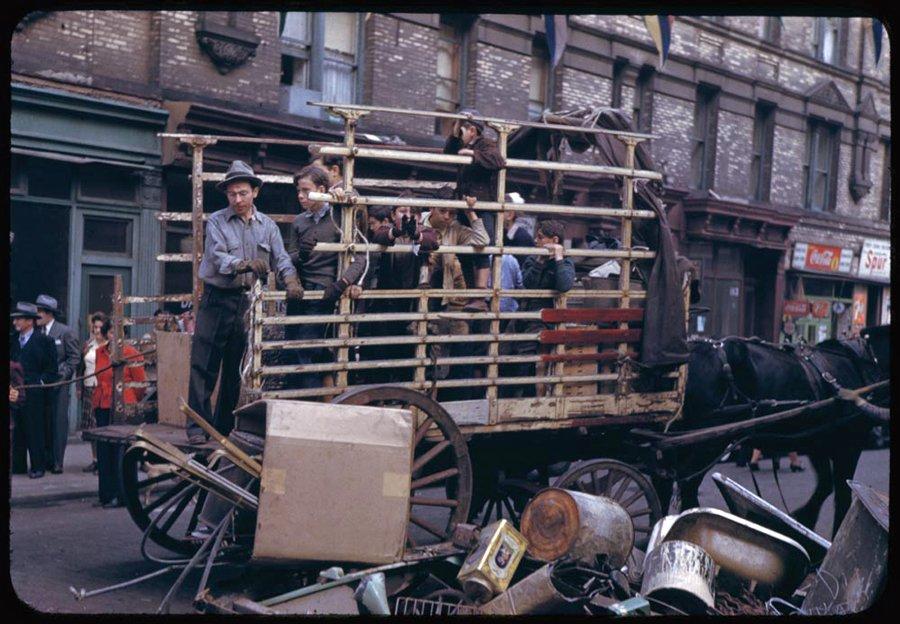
pixel 875 259
pixel 822 258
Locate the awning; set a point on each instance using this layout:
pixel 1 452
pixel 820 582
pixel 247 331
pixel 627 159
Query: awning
pixel 78 160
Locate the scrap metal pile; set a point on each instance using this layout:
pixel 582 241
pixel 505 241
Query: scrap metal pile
pixel 303 534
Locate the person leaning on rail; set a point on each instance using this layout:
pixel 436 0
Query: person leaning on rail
pixel 477 179
pixel 318 270
pixel 239 245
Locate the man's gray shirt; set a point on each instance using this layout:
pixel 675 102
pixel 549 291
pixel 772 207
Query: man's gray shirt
pixel 230 240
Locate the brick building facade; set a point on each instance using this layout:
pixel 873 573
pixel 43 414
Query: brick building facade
pixel 773 135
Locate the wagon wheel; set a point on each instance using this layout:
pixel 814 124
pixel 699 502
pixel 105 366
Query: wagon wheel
pixel 147 497
pixel 628 487
pixel 443 460
pixel 507 499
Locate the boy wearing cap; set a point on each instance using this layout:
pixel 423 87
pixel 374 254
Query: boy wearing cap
pixel 239 245
pixel 68 353
pixel 479 180
pixel 36 353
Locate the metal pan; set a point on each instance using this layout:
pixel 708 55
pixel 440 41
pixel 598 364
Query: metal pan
pixel 743 548
pixel 744 503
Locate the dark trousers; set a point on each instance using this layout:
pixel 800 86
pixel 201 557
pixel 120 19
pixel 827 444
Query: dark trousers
pixel 107 461
pixel 29 432
pixel 219 341
pixel 56 425
pixel 314 331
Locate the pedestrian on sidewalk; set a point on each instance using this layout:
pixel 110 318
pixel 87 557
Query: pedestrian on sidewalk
pixel 37 356
pixel 68 358
pixel 89 366
pixel 107 464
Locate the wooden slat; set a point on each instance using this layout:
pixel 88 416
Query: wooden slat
pixel 588 336
pixel 603 356
pixel 591 315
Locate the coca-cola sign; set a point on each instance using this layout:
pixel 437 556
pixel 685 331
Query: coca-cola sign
pixel 875 259
pixel 822 258
pixel 796 307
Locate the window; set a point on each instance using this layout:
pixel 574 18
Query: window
pixel 771 29
pixel 643 99
pixel 107 183
pixel 539 82
pixel 821 164
pixel 618 78
pixel 452 39
pixel 296 40
pixel 703 156
pixel 107 235
pixel 886 183
pixel 763 138
pixel 49 179
pixel 830 40
pixel 339 66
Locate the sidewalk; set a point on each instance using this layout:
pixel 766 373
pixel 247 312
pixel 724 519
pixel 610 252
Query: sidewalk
pixel 72 483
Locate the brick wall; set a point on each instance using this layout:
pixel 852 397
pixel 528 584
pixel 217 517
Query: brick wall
pixel 673 122
pixel 501 82
pixel 733 154
pixel 787 167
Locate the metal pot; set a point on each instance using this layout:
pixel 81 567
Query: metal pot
pixel 681 574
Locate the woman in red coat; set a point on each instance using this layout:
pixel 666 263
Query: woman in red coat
pixel 107 464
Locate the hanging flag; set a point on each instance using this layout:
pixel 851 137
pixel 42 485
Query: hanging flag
pixel 877 32
pixel 557 29
pixel 660 29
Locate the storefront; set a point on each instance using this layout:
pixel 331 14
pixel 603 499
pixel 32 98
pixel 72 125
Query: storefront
pixel 875 294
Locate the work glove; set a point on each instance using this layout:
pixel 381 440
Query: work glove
pixel 334 291
pixel 428 240
pixel 293 287
pixel 397 232
pixel 257 265
pixel 304 249
pixel 409 228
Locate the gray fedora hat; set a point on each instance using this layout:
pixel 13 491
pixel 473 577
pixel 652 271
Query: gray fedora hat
pixel 46 302
pixel 238 171
pixel 24 310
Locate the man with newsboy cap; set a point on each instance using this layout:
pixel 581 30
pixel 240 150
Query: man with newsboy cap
pixel 36 353
pixel 68 351
pixel 240 245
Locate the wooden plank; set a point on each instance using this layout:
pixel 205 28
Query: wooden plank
pixel 588 336
pixel 603 356
pixel 591 315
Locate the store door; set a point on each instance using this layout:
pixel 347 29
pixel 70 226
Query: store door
pixel 97 291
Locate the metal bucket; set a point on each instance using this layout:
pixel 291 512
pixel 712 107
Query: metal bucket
pixel 681 574
pixel 559 522
pixel 660 529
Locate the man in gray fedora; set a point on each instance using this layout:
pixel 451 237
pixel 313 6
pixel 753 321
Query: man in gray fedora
pixel 37 356
pixel 240 245
pixel 68 352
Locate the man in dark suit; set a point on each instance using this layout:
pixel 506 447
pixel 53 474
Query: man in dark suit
pixel 68 356
pixel 37 355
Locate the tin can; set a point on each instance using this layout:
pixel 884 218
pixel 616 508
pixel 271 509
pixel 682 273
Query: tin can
pixel 682 574
pixel 490 567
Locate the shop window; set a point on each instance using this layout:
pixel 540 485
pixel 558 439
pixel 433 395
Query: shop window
pixel 830 40
pixel 538 85
pixel 642 107
pixel 451 45
pixel 49 179
pixel 618 78
pixel 771 30
pixel 763 139
pixel 703 156
pixel 886 183
pixel 31 269
pixel 99 182
pixel 821 166
pixel 105 235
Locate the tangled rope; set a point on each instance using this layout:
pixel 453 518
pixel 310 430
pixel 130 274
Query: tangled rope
pixel 120 362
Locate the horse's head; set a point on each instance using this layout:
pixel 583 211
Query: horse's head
pixel 707 385
pixel 878 340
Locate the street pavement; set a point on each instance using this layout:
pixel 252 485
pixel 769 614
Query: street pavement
pixel 59 539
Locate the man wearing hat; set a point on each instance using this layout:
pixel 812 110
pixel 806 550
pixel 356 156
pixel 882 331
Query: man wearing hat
pixel 239 246
pixel 68 357
pixel 479 180
pixel 36 353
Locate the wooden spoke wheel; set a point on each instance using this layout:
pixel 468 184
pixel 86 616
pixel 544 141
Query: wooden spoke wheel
pixel 441 488
pixel 628 487
pixel 507 499
pixel 147 496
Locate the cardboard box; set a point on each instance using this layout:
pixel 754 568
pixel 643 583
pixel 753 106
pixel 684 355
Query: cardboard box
pixel 173 366
pixel 335 483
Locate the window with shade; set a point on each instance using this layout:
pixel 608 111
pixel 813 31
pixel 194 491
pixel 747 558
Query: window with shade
pixel 448 95
pixel 763 140
pixel 821 166
pixel 703 155
pixel 539 79
pixel 830 40
pixel 339 65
